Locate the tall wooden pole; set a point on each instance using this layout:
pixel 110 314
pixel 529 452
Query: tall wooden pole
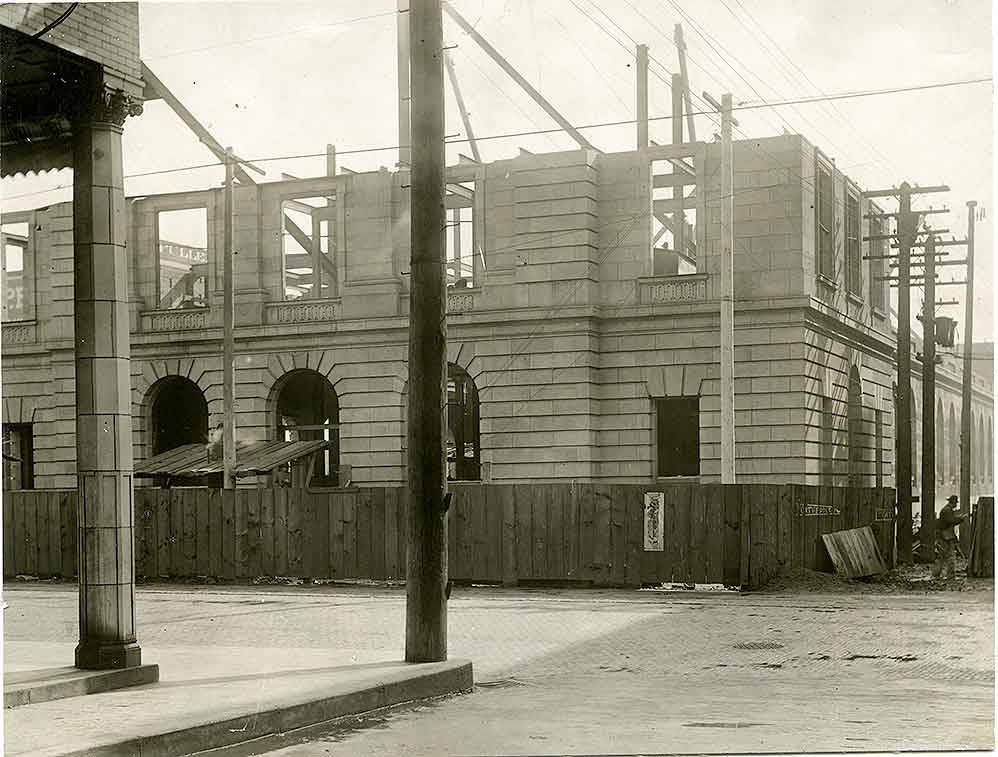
pixel 907 226
pixel 966 419
pixel 727 297
pixel 927 535
pixel 404 90
pixel 228 338
pixel 642 95
pixel 426 568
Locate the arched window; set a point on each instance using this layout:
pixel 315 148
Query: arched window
pixel 940 444
pixel 954 447
pixel 855 428
pixel 991 455
pixel 463 438
pixel 307 409
pixel 977 444
pixel 178 414
pixel 916 446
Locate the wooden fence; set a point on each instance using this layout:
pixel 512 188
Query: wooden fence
pixel 739 534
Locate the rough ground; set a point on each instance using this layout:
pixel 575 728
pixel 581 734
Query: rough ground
pixel 598 672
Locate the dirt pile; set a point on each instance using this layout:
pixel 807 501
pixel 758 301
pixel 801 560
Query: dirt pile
pixel 904 579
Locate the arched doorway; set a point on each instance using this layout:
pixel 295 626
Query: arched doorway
pixel 178 414
pixel 463 438
pixel 306 408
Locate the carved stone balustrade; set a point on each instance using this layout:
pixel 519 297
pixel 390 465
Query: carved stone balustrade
pixel 175 320
pixel 664 290
pixel 17 333
pixel 302 311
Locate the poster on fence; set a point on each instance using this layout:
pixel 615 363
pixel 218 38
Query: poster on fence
pixel 654 521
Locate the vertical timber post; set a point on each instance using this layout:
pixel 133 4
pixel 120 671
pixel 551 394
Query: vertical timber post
pixel 426 562
pixel 927 534
pixel 907 226
pixel 228 338
pixel 727 297
pixel 966 419
pixel 404 89
pixel 642 95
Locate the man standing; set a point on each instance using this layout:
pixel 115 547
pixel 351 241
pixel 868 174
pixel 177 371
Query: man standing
pixel 946 524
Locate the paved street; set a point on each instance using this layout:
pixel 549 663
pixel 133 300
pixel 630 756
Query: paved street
pixel 571 671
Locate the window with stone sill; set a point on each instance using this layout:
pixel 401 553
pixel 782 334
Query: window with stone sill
pixel 824 217
pixel 853 246
pixel 182 258
pixel 673 228
pixel 465 259
pixel 17 271
pixel 308 246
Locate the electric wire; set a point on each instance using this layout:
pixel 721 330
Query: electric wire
pixel 52 25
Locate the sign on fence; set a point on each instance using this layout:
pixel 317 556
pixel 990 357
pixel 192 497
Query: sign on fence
pixel 883 514
pixel 808 510
pixel 654 521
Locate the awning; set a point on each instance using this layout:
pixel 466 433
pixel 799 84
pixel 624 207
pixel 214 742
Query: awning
pixel 191 460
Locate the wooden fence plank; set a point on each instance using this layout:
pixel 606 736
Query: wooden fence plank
pixel 587 531
pixel 228 536
pixel 745 531
pixel 240 533
pixel 202 527
pixel 732 534
pixel 378 533
pixel 524 531
pixel 176 532
pixel 145 535
pixel 508 499
pixel 350 535
pixel 267 532
pixel 482 521
pixel 697 523
pixel 683 567
pixel 190 533
pixel 556 533
pixel 391 533
pixel 296 539
pixel 634 535
pixel 538 530
pixel 306 508
pixel 783 524
pixel 618 535
pixel 363 515
pixel 281 567
pixel 254 526
pixel 336 569
pixel 573 532
pixel 161 499
pixel 714 525
pixel 9 529
pixel 20 536
pixel 53 519
pixel 30 535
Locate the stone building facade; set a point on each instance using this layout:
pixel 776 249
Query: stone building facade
pixel 583 320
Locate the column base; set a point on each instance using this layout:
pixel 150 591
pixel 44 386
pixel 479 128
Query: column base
pixel 97 656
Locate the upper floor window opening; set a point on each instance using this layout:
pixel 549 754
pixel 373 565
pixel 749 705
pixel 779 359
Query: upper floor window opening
pixel 308 247
pixel 824 218
pixel 464 254
pixel 673 225
pixel 854 255
pixel 182 258
pixel 18 290
pixel 878 251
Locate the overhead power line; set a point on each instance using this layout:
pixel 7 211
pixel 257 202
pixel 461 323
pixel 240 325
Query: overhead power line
pixel 748 105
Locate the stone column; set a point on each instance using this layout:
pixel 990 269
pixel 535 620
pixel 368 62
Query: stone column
pixel 103 389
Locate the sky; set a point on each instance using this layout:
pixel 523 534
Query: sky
pixel 278 79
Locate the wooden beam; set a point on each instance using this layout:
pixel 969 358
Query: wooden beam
pixel 681 46
pixel 456 201
pixel 667 180
pixel 677 109
pixel 462 108
pixel 671 206
pixel 153 82
pixel 461 191
pixel 515 75
pixel 642 95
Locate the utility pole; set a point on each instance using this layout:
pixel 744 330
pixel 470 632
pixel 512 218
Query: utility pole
pixel 426 564
pixel 927 536
pixel 907 226
pixel 966 420
pixel 228 338
pixel 727 294
pixel 404 90
pixel 642 95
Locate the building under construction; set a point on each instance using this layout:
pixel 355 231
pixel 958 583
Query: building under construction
pixel 583 323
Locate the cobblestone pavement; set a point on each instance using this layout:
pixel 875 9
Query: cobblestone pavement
pixel 600 672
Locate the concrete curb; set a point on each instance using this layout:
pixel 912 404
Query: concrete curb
pixel 37 686
pixel 423 682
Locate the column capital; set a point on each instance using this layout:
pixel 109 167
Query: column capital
pixel 109 106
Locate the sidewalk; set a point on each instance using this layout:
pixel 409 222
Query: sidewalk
pixel 205 699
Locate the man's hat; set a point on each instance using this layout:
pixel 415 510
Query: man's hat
pixel 952 498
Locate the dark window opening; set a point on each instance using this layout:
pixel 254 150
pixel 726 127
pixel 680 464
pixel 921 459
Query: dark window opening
pixel 678 432
pixel 463 438
pixel 18 456
pixel 854 260
pixel 309 410
pixel 824 210
pixel 827 441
